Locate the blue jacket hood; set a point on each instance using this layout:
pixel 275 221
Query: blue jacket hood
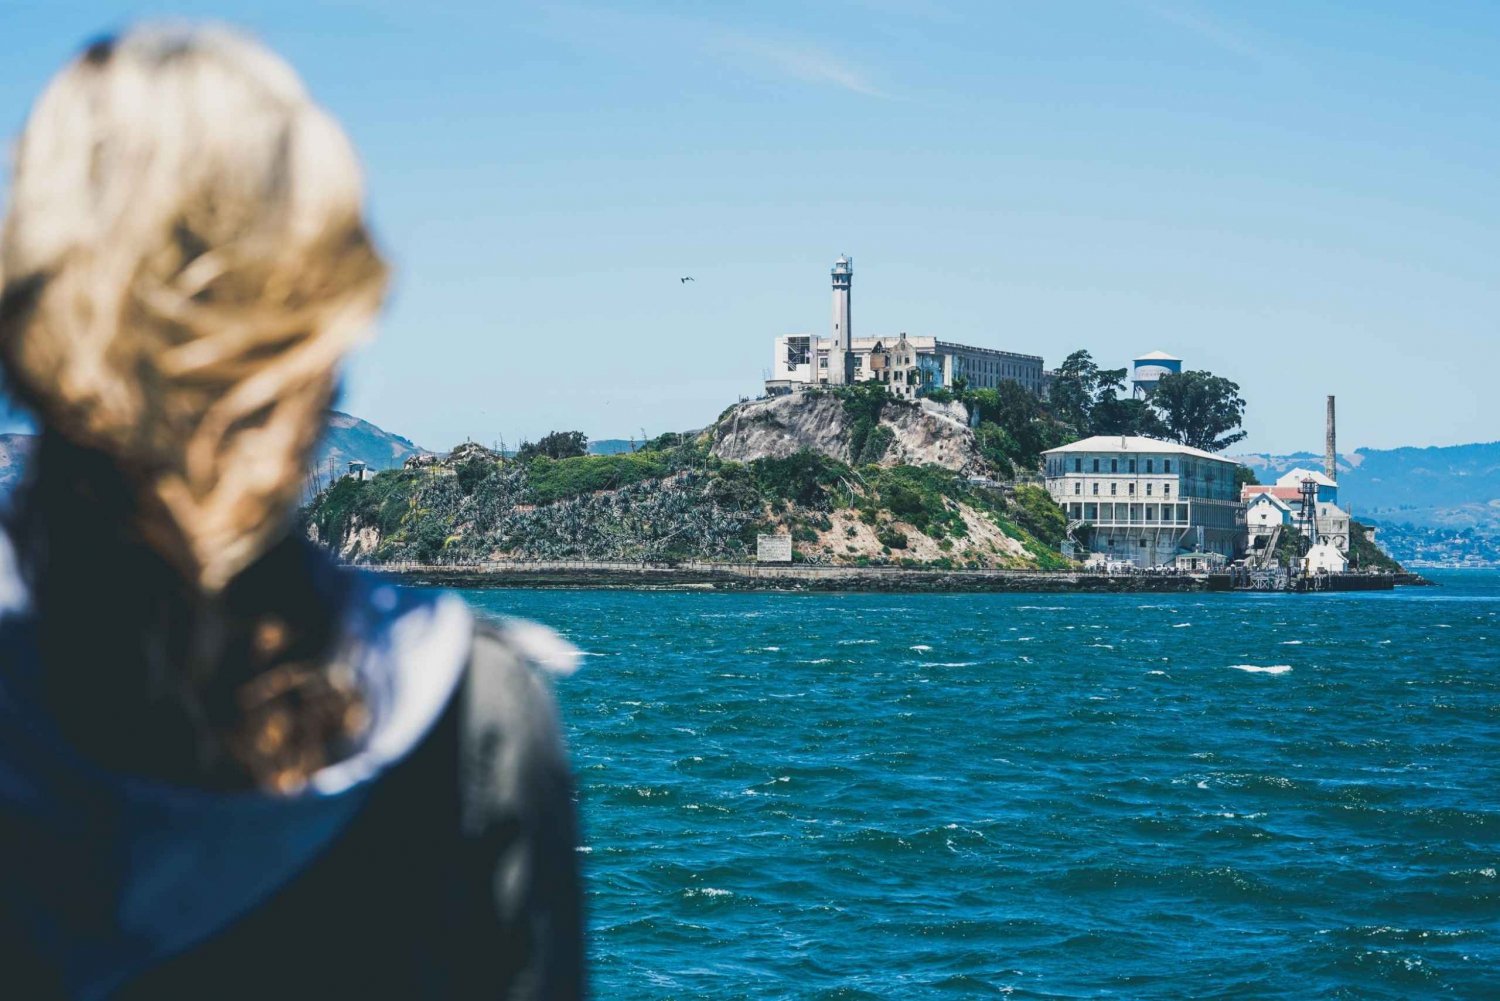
pixel 112 873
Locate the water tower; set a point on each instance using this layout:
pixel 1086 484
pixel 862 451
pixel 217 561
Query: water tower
pixel 1147 370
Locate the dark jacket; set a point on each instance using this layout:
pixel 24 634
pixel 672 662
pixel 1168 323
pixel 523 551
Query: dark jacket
pixel 449 872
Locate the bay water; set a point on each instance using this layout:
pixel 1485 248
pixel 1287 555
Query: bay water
pixel 1036 796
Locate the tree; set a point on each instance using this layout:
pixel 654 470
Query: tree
pixel 1244 476
pixel 1114 415
pixel 1200 410
pixel 555 445
pixel 1080 388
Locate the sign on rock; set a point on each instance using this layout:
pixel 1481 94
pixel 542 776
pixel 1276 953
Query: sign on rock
pixel 773 549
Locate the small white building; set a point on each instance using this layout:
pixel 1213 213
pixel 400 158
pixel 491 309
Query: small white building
pixel 1145 501
pixel 1263 513
pixel 1325 558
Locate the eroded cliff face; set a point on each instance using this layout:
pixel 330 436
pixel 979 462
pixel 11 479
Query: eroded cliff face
pixel 921 433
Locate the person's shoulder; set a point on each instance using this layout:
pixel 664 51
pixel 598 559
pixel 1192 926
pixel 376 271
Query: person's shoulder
pixel 516 657
pixel 509 708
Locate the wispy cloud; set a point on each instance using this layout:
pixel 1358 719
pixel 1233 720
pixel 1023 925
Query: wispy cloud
pixel 1205 28
pixel 796 61
pixel 775 54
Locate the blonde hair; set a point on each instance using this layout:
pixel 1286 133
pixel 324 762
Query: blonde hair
pixel 185 264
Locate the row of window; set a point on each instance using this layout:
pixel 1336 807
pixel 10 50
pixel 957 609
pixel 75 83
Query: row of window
pixel 1107 514
pixel 1114 465
pixel 1114 489
pixel 1005 369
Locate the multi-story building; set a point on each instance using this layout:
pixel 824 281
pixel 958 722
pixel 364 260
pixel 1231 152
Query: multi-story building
pixel 1144 501
pixel 801 360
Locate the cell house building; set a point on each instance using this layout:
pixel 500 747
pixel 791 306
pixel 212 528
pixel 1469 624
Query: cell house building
pixel 907 364
pixel 1143 501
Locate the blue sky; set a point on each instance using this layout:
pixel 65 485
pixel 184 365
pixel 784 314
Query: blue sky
pixel 1302 197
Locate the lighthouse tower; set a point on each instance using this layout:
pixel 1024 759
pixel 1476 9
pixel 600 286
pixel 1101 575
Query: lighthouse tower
pixel 839 355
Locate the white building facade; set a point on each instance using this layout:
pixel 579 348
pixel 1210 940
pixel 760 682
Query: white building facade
pixel 1146 501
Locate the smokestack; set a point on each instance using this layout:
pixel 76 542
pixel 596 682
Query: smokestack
pixel 1330 448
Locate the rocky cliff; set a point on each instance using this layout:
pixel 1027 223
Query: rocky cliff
pixel 853 478
pixel 852 429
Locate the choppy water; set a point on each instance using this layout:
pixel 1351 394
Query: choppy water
pixel 877 796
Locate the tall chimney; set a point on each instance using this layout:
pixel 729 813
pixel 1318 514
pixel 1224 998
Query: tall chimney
pixel 1330 449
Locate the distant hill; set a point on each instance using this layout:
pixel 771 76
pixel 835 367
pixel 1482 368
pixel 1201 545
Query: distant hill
pixel 1451 487
pixel 348 439
pixel 612 446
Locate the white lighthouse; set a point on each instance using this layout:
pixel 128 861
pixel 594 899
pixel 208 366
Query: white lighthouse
pixel 839 356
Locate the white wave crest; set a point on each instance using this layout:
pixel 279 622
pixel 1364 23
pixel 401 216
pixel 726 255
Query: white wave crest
pixel 1257 669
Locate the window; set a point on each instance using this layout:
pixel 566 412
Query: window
pixel 1148 464
pixel 1166 489
pixel 1077 465
pixel 1114 465
pixel 1114 488
pixel 1096 465
pixel 1166 465
pixel 1132 465
pixel 1096 489
pixel 1077 488
pixel 1148 490
pixel 1132 490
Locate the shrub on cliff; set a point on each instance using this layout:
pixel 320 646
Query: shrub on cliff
pixel 864 402
pixel 1040 515
pixel 803 478
pixel 552 480
pixel 922 496
pixel 555 445
pixel 1367 555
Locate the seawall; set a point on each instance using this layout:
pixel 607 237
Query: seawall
pixel 760 577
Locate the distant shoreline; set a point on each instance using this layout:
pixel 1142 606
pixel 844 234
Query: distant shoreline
pixel 692 575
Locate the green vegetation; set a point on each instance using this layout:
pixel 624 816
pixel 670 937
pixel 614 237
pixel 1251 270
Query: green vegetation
pixel 1291 545
pixel 1040 515
pixel 925 497
pixel 1366 555
pixel 1197 409
pixel 672 501
pixel 864 402
pixel 557 479
pixel 1200 409
pixel 555 445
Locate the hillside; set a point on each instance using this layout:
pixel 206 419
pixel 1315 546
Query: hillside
pixel 1450 487
pixel 348 439
pixel 351 439
pixel 681 497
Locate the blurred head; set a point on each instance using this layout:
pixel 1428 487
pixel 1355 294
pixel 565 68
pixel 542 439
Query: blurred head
pixel 184 265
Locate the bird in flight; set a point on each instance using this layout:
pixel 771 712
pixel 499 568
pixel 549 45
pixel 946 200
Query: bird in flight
pixel 685 280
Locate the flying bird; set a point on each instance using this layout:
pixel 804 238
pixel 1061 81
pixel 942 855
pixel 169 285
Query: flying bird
pixel 686 280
